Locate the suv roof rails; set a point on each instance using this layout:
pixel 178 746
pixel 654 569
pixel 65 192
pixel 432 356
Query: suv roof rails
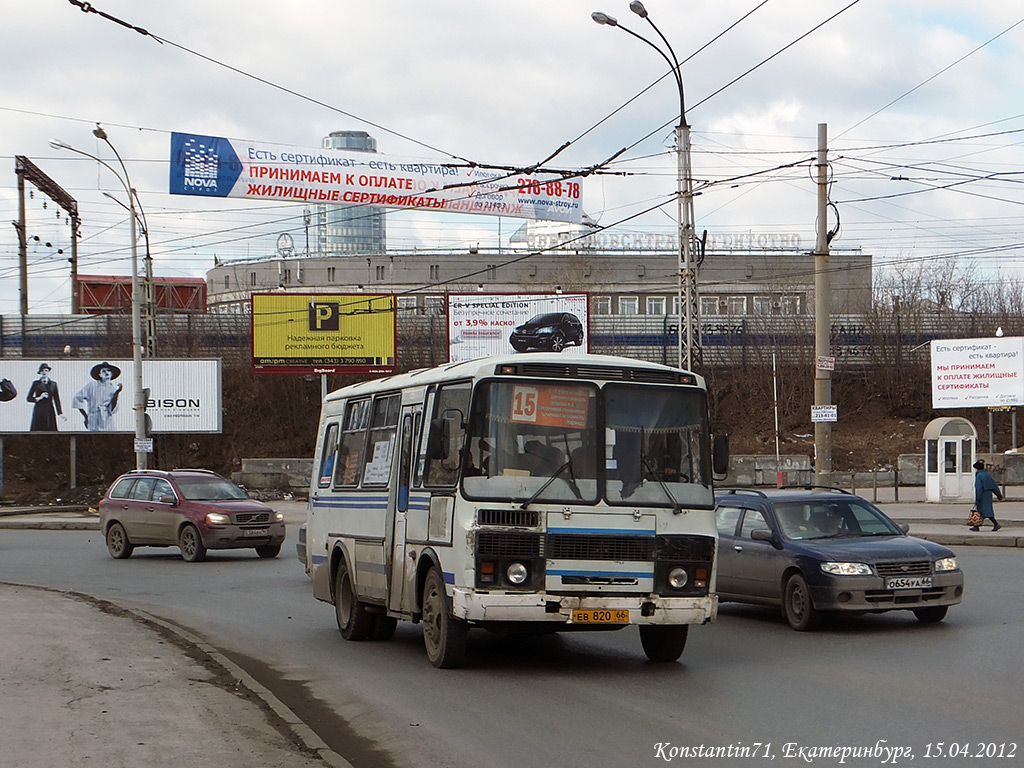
pixel 735 490
pixel 816 488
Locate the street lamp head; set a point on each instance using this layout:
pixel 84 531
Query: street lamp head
pixel 58 144
pixel 638 8
pixel 99 133
pixel 604 18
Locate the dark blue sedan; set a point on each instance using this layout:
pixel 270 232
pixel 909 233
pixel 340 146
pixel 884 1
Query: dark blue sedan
pixel 814 550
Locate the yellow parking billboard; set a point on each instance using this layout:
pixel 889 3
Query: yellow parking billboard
pixel 323 333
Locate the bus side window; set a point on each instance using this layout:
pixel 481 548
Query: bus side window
pixel 353 444
pixel 328 456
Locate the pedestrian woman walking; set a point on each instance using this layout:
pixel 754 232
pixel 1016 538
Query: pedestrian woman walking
pixel 984 488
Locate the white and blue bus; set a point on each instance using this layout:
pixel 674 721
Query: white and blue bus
pixel 519 493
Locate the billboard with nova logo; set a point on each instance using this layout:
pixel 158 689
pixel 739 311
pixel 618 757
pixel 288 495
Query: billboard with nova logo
pixel 323 333
pixel 213 166
pixel 87 396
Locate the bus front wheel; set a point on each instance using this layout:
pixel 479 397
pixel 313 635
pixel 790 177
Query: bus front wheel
pixel 354 621
pixel 663 642
pixel 443 635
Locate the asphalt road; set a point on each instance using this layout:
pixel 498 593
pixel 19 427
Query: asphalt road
pixel 883 682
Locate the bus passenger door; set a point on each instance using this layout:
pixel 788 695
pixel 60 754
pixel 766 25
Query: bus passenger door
pixel 397 565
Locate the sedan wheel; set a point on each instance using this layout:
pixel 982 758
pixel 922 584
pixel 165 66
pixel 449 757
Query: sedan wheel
pixel 191 543
pixel 117 542
pixel 269 550
pixel 800 612
pixel 931 614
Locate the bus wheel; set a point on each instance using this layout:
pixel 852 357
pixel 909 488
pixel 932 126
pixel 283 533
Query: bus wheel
pixel 384 627
pixel 354 621
pixel 663 642
pixel 443 635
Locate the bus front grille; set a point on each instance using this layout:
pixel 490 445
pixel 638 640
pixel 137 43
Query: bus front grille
pixel 573 546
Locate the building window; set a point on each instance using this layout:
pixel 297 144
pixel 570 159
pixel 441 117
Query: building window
pixel 435 305
pixel 380 272
pixel 435 271
pixel 737 305
pixel 790 305
pixel 227 281
pixel 252 278
pixel 286 276
pixel 762 305
pixel 602 305
pixel 655 305
pixel 708 305
pixel 407 305
pixel 629 305
pixel 492 271
pixel 330 274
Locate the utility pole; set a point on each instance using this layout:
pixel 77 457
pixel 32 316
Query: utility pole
pixel 822 319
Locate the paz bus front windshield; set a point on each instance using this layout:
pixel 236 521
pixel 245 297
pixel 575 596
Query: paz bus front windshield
pixel 627 444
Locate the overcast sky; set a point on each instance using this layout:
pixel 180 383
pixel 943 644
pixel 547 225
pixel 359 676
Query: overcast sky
pixel 924 91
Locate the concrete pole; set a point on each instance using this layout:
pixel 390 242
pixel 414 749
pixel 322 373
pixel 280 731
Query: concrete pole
pixel 822 318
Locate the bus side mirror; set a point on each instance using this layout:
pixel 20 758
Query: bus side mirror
pixel 720 455
pixel 440 436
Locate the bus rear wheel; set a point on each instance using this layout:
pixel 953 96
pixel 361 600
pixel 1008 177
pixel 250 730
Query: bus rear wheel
pixel 663 642
pixel 354 621
pixel 444 636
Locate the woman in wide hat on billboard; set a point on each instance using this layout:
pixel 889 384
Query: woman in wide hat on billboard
pixel 97 400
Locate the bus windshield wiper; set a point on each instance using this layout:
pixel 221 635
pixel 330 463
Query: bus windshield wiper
pixel 571 481
pixel 652 468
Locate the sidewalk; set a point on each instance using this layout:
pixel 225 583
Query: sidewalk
pixel 943 523
pixel 84 681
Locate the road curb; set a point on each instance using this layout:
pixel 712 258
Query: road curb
pixel 302 731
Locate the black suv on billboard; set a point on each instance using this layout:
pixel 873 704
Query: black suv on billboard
pixel 548 330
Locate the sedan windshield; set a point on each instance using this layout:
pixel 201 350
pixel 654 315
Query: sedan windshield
pixel 833 518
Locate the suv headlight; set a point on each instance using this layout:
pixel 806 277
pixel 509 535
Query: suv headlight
pixel 216 518
pixel 846 569
pixel 946 564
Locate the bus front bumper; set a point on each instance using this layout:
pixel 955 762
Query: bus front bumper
pixel 573 609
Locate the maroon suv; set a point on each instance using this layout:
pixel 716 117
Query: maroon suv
pixel 193 509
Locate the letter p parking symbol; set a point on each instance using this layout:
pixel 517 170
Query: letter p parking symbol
pixel 324 316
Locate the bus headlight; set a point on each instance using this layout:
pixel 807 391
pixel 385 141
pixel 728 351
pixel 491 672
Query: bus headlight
pixel 677 578
pixel 517 573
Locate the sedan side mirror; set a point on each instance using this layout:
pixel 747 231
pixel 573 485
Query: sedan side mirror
pixel 763 534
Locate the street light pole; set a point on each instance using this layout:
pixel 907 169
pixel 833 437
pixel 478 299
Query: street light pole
pixel 137 344
pixel 689 347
